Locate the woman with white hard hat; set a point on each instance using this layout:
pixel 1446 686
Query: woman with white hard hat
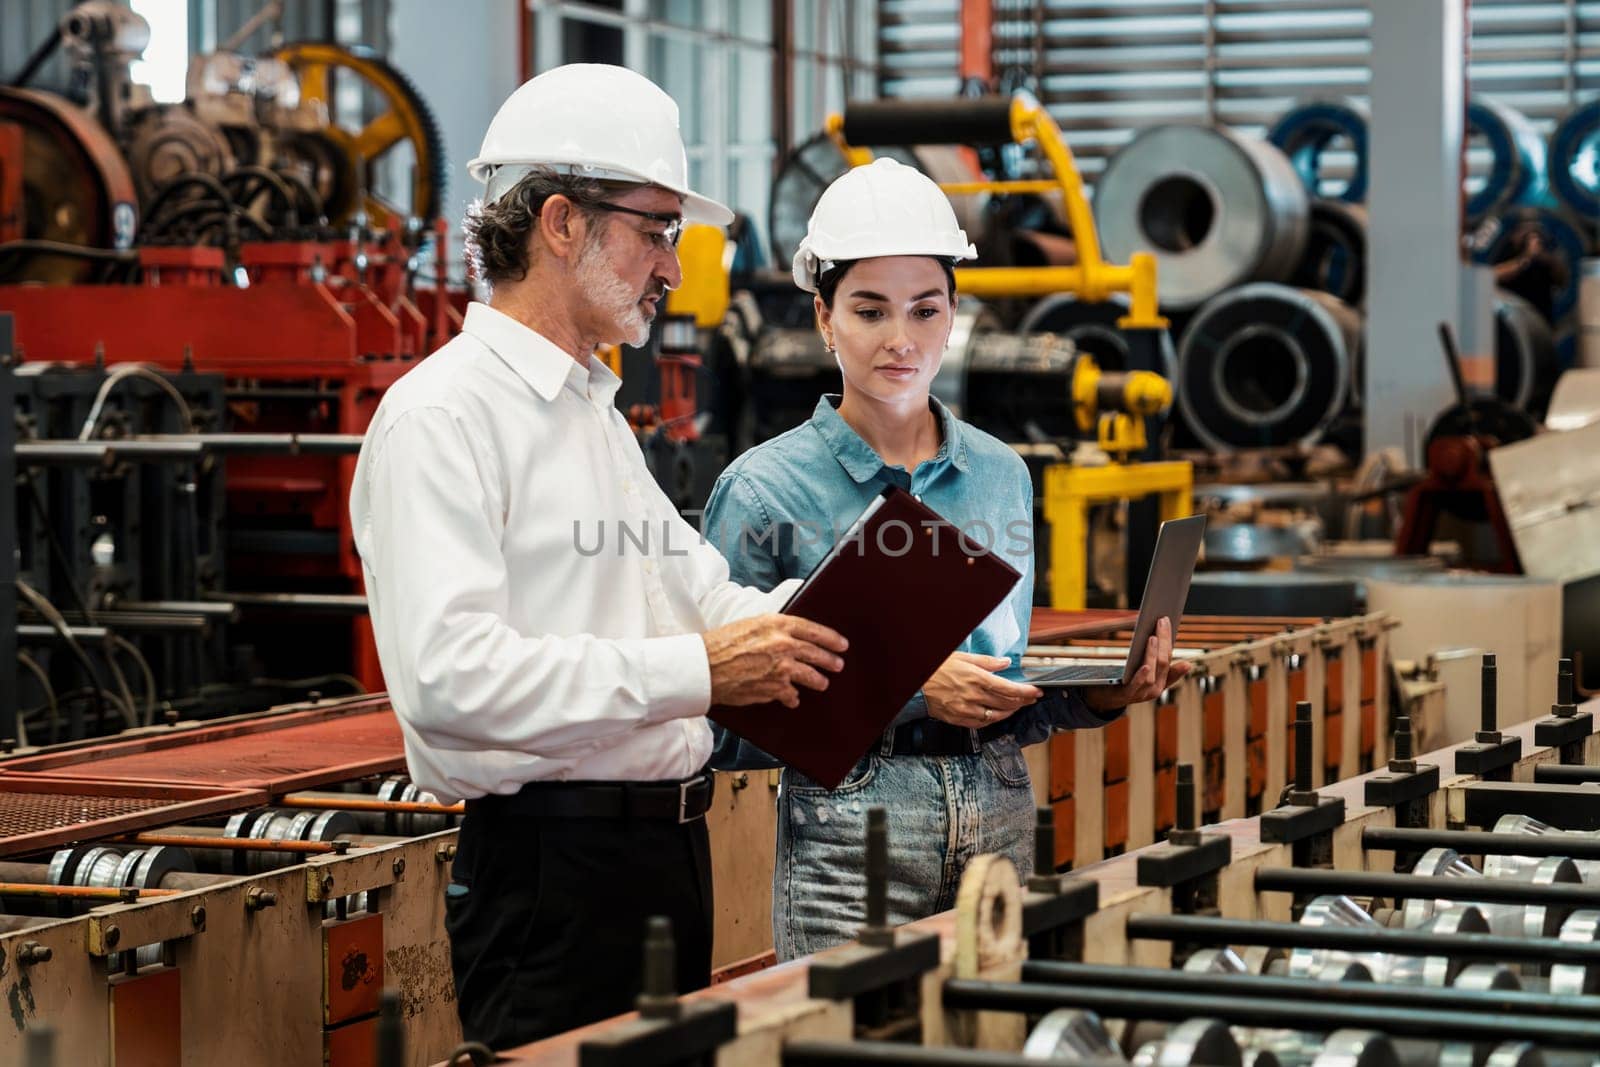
pixel 542 670
pixel 879 255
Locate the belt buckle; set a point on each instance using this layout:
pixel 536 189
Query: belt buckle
pixel 683 799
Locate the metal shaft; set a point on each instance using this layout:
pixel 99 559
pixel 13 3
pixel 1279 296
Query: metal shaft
pixel 877 868
pixel 1307 1014
pixel 1564 683
pixel 1302 747
pixel 391 1031
pixel 660 997
pixel 1044 842
pixel 1527 1002
pixel 1491 714
pixel 41 1047
pixel 824 1053
pixel 1422 887
pixel 1186 817
pixel 207 608
pixel 1402 738
pixel 1481 843
pixel 1565 774
pixel 349 803
pixel 1205 930
pixel 332 603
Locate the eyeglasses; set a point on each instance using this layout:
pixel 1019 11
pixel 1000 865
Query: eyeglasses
pixel 667 240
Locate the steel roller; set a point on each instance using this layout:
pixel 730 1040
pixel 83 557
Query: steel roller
pixel 1217 209
pixel 1198 1041
pixel 1307 132
pixel 1588 870
pixel 1511 1054
pixel 1570 979
pixel 1266 365
pixel 1507 920
pixel 1342 1048
pixel 1272 593
pixel 1068 1035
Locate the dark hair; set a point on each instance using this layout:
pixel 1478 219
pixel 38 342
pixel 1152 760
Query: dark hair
pixel 828 281
pixel 497 234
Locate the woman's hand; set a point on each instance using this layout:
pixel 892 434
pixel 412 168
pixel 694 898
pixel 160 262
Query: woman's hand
pixel 1157 674
pixel 966 692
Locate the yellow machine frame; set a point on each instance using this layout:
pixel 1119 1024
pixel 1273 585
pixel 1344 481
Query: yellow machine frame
pixel 1070 491
pixel 1091 278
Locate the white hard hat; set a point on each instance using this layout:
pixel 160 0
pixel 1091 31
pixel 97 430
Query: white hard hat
pixel 882 209
pixel 597 121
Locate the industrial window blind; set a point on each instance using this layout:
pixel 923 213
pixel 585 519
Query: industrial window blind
pixel 1108 68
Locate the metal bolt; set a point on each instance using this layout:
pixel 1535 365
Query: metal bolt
pixel 1044 842
pixel 197 916
pixel 32 952
pixel 1564 684
pixel 660 997
pixel 1490 691
pixel 877 931
pixel 128 894
pixel 1302 747
pixel 113 936
pixel 399 866
pixel 256 899
pixel 313 697
pixel 8 745
pixel 444 853
pixel 340 847
pixel 327 883
pixel 1402 738
pixel 1186 819
pixel 740 781
pixel 169 715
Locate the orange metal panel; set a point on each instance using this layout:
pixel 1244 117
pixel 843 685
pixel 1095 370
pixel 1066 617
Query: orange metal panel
pixel 1116 802
pixel 1214 712
pixel 1062 754
pixel 1257 724
pixel 352 968
pixel 43 811
pixel 1167 735
pixel 1116 735
pixel 147 1018
pixel 351 1045
pixel 1166 798
pixel 1066 830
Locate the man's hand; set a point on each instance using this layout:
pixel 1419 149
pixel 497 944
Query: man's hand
pixel 764 658
pixel 965 691
pixel 1157 674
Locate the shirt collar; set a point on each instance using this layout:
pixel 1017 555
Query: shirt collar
pixel 858 458
pixel 536 359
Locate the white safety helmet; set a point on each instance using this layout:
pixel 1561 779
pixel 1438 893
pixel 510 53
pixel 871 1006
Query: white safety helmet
pixel 882 209
pixel 594 120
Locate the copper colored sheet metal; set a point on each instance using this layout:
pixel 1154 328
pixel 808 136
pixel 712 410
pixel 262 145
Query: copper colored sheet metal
pixel 277 753
pixel 39 812
pixel 1051 624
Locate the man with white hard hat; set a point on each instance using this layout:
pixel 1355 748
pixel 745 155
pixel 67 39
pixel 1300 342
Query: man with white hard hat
pixel 551 631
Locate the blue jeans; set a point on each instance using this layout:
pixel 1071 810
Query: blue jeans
pixel 943 811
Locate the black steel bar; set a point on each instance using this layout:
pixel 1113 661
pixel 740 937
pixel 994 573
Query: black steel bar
pixel 1564 683
pixel 330 603
pixel 1565 774
pixel 1489 688
pixel 1303 778
pixel 1206 930
pixel 1517 1001
pixel 218 610
pixel 345 444
pixel 826 1053
pixel 1309 1014
pixel 35 631
pixel 9 551
pixel 1476 843
pixel 105 451
pixel 128 620
pixel 1422 887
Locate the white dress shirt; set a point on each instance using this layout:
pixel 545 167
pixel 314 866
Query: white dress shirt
pixel 524 634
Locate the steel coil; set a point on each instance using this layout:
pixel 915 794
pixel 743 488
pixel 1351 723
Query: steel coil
pixel 1335 259
pixel 1307 131
pixel 1516 159
pixel 1525 366
pixel 1093 328
pixel 1575 162
pixel 1266 366
pixel 1507 237
pixel 1216 208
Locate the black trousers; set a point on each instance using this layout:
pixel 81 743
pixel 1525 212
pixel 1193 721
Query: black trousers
pixel 547 917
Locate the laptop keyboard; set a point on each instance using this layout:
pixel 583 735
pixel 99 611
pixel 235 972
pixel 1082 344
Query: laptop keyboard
pixel 1076 673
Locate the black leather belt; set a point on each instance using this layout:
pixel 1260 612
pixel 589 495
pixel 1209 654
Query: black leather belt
pixel 682 802
pixel 930 737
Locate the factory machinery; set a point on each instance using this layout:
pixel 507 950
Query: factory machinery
pixel 1441 909
pixel 273 869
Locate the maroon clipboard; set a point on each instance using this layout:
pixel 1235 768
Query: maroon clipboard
pixel 905 588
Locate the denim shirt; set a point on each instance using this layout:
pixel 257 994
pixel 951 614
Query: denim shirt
pixel 777 510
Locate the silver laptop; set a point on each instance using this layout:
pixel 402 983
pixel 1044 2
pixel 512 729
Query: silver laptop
pixel 1166 589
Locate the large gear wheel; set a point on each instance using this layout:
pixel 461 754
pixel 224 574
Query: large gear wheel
pixel 402 120
pixel 76 189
